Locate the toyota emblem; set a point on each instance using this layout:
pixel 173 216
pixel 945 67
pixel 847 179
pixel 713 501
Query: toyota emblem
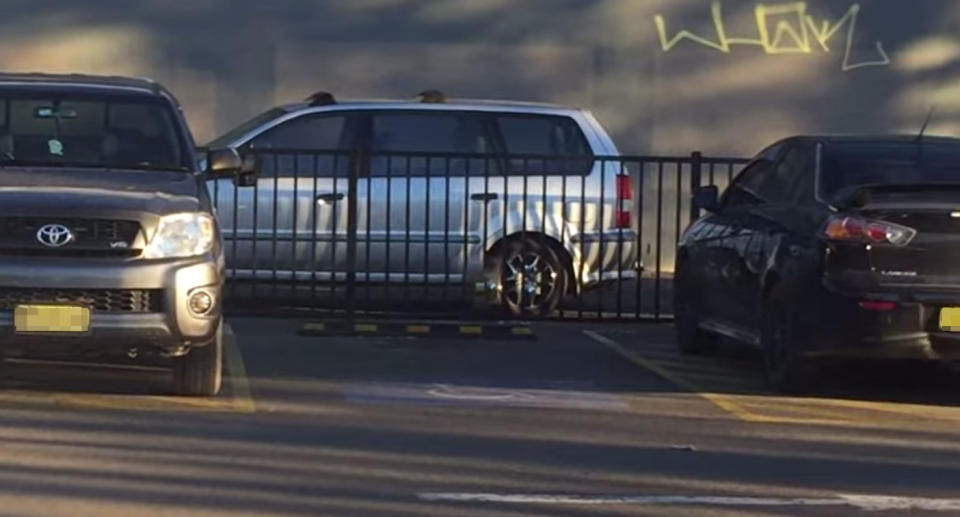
pixel 54 235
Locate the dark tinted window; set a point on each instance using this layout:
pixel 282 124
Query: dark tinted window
pixel 449 133
pixel 784 182
pixel 744 190
pixel 848 165
pixel 75 130
pixel 319 133
pixel 230 136
pixel 544 135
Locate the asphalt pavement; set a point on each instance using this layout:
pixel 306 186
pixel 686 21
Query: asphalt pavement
pixel 583 420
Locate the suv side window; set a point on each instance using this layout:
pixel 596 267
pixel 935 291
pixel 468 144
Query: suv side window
pixel 312 134
pixel 544 135
pixel 454 134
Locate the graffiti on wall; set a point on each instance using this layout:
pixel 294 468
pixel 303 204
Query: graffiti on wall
pixel 786 28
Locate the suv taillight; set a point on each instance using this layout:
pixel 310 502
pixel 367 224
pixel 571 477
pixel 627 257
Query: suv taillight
pixel 624 201
pixel 856 229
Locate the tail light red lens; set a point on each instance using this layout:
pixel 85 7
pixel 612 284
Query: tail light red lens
pixel 624 201
pixel 871 305
pixel 850 228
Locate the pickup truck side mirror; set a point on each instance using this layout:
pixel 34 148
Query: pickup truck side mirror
pixel 707 198
pixel 227 163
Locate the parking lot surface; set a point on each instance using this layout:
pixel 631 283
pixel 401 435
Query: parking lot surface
pixel 583 420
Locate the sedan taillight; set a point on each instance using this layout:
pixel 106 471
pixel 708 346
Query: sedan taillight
pixel 850 228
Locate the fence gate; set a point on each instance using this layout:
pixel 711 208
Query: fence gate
pixel 404 234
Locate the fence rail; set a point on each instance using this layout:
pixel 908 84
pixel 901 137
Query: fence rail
pixel 583 237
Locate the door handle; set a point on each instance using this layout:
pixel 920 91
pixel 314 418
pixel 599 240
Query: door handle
pixel 329 197
pixel 485 197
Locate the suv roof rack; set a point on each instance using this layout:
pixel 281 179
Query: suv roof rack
pixel 321 99
pixel 432 97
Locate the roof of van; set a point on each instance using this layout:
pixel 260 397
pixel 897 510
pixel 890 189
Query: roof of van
pixel 448 105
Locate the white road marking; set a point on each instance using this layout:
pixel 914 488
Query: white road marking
pixel 239 382
pixel 872 503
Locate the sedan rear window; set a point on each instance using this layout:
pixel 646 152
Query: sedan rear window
pixel 846 166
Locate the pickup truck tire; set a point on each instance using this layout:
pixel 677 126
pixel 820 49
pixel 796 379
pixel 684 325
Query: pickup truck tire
pixel 200 372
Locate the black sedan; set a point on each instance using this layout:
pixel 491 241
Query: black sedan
pixel 828 247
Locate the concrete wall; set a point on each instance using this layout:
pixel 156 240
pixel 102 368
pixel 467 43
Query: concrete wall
pixel 755 72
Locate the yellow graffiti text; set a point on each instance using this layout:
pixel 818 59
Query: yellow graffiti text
pixel 781 29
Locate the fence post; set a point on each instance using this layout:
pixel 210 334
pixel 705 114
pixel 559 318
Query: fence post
pixel 696 167
pixel 353 176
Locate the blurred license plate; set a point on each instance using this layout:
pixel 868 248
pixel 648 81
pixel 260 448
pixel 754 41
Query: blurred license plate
pixel 51 318
pixel 950 319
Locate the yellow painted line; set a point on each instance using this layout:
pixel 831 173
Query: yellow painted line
pixel 522 331
pixel 471 329
pixel 719 401
pixel 365 327
pixel 239 382
pixel 418 329
pixel 314 327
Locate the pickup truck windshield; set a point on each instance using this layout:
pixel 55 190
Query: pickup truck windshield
pixel 849 165
pixel 82 131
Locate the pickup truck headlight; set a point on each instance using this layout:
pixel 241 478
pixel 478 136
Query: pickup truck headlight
pixel 181 235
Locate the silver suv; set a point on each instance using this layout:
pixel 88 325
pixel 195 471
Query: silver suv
pixel 524 201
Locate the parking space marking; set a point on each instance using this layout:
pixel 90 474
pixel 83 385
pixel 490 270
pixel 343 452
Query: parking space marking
pixel 239 381
pixel 870 503
pixel 720 401
pixel 751 401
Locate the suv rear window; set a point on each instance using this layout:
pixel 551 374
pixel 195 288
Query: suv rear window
pixel 544 135
pixel 450 133
pixel 849 165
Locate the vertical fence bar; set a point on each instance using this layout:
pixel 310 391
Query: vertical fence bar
pixel 562 221
pixel 583 239
pixel 639 208
pixel 656 282
pixel 313 224
pixel 389 269
pixel 294 256
pixel 696 164
pixel 236 224
pixel 619 256
pixel 406 243
pixel 466 293
pixel 543 220
pixel 335 230
pixel 273 248
pixel 352 182
pixel 426 230
pixel 506 215
pixel 602 227
pixel 446 230
pixel 368 237
pixel 255 237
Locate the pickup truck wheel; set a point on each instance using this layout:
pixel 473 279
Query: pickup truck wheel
pixel 786 369
pixel 200 372
pixel 531 277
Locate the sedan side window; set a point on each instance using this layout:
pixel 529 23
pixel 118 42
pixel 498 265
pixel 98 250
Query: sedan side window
pixel 744 191
pixel 303 147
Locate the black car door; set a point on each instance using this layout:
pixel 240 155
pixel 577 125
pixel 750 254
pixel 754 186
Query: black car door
pixel 775 231
pixel 723 243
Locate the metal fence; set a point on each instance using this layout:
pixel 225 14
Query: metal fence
pixel 347 233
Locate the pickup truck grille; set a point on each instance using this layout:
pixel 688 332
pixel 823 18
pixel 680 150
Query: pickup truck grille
pixel 102 300
pixel 92 237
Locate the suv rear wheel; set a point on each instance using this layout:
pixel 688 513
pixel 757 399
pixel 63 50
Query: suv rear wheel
pixel 200 372
pixel 531 277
